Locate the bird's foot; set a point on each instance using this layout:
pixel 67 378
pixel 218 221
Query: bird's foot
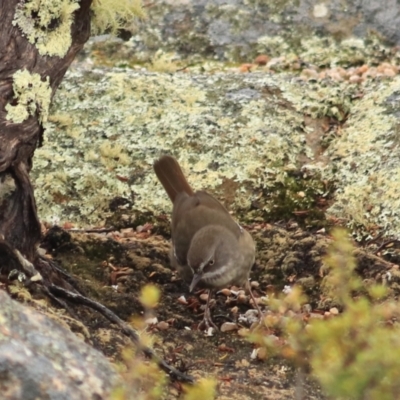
pixel 206 324
pixel 255 303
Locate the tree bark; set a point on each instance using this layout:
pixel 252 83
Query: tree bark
pixel 20 231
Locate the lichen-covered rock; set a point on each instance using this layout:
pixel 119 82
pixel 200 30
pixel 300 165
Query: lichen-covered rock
pixel 108 127
pixel 366 163
pixel 309 134
pixel 234 29
pixel 39 359
pixel 261 142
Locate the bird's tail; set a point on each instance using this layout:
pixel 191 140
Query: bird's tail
pixel 170 174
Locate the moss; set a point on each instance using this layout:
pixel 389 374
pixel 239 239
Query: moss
pixel 31 97
pixel 297 197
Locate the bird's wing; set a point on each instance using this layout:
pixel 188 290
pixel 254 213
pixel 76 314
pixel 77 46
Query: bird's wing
pixel 191 213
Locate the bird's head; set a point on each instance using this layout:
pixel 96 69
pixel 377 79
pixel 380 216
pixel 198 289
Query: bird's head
pixel 211 255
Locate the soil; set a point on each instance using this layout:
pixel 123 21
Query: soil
pixel 112 267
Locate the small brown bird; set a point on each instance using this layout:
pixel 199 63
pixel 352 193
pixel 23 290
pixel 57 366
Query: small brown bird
pixel 208 246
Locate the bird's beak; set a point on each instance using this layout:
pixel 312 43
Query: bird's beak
pixel 196 279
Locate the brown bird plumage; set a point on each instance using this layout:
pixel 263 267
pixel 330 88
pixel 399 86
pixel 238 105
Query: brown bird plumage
pixel 208 247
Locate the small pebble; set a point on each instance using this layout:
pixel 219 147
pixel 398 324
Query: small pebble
pixel 389 72
pixel 182 300
pixel 361 70
pixel 151 321
pixel 257 299
pixel 229 326
pixel 242 298
pixel 334 311
pixel 225 292
pixel 204 297
pixel 243 332
pixel 262 59
pixel 262 354
pixel 251 314
pixel 287 289
pixel 235 310
pixel 128 232
pixel 41 251
pixel 309 73
pixel 336 76
pixel 355 79
pixel 254 353
pixel 316 316
pixel 224 347
pixel 342 72
pixel 163 326
pixel 245 67
pixel 210 331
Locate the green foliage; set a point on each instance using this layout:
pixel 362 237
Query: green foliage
pixel 149 296
pixel 355 354
pixel 143 379
pixel 111 15
pixel 203 390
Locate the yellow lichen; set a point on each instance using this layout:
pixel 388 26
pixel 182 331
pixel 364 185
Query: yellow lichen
pixel 110 15
pixel 47 24
pixel 32 95
pixel 112 154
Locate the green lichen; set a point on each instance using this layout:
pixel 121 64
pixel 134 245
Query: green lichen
pixel 365 163
pixel 324 52
pixel 219 130
pixel 247 138
pixel 47 24
pixel 358 158
pixel 31 95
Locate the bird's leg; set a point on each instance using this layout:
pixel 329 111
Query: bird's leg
pixel 248 287
pixel 207 322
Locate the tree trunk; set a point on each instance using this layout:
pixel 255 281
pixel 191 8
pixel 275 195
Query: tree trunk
pixel 20 231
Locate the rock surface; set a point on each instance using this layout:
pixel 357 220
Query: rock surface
pixel 39 359
pixel 232 29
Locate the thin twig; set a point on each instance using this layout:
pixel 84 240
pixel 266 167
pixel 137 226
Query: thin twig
pixel 174 373
pixel 375 239
pixel 68 278
pixel 385 244
pixel 92 230
pixel 60 302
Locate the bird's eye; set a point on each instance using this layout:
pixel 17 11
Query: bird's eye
pixel 208 266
